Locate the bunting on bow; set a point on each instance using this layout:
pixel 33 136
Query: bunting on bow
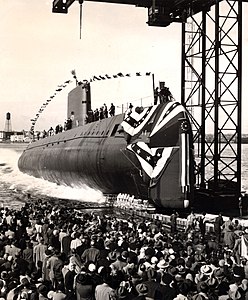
pixel 171 110
pixel 152 160
pixel 134 122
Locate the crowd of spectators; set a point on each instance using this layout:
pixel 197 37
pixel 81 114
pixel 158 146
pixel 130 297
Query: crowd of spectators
pixel 56 252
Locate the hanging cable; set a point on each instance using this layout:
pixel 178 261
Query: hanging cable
pixel 81 16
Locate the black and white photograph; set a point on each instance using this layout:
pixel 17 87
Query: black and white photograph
pixel 123 150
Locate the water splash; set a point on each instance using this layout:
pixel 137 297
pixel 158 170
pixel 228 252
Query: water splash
pixel 14 180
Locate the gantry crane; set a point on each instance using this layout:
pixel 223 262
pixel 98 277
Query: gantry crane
pixel 213 92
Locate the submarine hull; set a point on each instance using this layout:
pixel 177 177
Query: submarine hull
pixel 150 159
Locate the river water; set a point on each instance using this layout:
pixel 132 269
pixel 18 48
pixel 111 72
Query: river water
pixel 15 186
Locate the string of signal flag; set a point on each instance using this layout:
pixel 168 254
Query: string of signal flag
pixel 45 104
pixel 107 76
pixel 64 85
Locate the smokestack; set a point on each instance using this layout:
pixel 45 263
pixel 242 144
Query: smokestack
pixel 8 127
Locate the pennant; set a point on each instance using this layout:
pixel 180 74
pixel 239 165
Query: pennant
pixel 120 75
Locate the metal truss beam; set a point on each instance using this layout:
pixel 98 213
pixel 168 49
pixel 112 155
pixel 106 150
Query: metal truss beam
pixel 160 12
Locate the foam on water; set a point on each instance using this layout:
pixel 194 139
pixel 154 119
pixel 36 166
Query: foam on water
pixel 15 180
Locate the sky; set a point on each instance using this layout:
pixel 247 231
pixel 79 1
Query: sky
pixel 39 49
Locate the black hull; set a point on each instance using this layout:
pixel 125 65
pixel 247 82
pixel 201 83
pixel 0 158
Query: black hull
pixel 104 156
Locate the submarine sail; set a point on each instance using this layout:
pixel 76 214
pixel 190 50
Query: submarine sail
pixel 147 153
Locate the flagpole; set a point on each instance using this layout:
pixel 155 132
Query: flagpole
pixel 153 86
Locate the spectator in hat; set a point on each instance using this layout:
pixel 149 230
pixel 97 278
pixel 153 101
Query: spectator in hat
pixel 202 289
pixel 42 290
pixel 183 290
pixel 167 292
pixel 142 290
pixel 84 286
pixel 123 294
pixel 121 261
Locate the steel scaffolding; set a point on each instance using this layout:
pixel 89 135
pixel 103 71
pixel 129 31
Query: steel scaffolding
pixel 214 57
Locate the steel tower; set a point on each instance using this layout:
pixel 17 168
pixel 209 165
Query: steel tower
pixel 215 96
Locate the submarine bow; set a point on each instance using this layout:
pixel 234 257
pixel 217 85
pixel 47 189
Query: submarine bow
pixel 148 154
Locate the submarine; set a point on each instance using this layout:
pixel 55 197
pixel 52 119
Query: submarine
pixel 146 153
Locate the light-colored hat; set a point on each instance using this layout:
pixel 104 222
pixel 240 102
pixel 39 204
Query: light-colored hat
pixel 206 270
pixel 162 264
